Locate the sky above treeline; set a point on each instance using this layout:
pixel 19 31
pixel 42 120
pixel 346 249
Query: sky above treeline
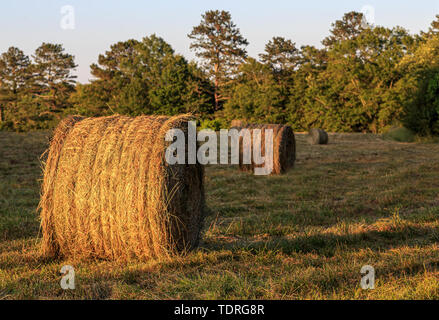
pixel 99 23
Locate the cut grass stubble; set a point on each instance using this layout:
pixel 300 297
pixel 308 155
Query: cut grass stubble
pixel 303 235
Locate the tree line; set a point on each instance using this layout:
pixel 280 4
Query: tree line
pixel 363 79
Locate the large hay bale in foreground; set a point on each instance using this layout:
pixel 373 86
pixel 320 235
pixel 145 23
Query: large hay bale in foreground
pixel 109 193
pixel 317 136
pixel 284 148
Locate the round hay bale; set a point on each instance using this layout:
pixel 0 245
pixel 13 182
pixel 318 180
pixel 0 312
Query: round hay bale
pixel 109 193
pixel 317 136
pixel 284 148
pixel 237 124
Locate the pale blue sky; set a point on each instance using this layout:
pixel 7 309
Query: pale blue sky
pixel 99 23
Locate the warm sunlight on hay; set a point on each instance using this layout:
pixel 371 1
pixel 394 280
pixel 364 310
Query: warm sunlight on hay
pixel 109 193
pixel 284 148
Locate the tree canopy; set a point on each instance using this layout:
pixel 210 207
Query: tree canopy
pixel 363 78
pixel 221 47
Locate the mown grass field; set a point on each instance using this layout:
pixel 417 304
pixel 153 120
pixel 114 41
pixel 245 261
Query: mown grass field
pixel 358 201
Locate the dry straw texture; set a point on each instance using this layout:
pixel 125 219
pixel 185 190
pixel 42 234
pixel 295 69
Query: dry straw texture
pixel 317 136
pixel 284 148
pixel 109 193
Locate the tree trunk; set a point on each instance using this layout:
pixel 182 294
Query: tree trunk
pixel 1 114
pixel 216 94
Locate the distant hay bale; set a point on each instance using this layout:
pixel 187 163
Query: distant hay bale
pixel 284 148
pixel 109 193
pixel 237 123
pixel 317 136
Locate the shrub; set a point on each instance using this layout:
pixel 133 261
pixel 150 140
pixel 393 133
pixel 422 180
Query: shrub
pixel 400 134
pixel 215 124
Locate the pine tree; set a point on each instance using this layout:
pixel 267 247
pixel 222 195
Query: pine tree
pixel 14 79
pixel 116 70
pixel 220 45
pixel 348 28
pixel 281 55
pixel 117 62
pixel 54 80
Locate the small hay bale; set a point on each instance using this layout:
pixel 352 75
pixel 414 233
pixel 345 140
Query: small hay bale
pixel 284 148
pixel 237 123
pixel 109 193
pixel 317 136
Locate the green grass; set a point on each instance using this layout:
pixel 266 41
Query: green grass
pixel 305 235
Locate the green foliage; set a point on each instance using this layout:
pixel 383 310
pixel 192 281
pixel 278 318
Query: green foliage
pixel 178 89
pixel 220 45
pixel 91 99
pixel 282 56
pixel 215 124
pixel 14 78
pixel 52 77
pixel 35 94
pixel 400 134
pixel 433 30
pixel 354 89
pixel 364 79
pixel 144 77
pixel 351 85
pixel 422 114
pixel 256 95
pixel 421 88
pixel 118 87
pixel 348 28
